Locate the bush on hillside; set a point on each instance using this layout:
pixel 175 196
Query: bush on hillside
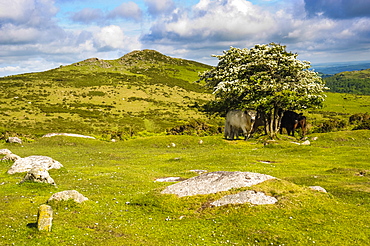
pixel 365 125
pixel 195 127
pixel 330 126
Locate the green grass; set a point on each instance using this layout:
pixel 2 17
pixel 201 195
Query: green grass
pixel 125 206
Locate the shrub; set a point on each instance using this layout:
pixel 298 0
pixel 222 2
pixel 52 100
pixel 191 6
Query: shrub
pixel 330 126
pixel 364 125
pixel 195 127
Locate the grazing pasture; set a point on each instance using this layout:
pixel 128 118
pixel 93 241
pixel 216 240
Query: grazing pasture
pixel 125 206
pixel 134 100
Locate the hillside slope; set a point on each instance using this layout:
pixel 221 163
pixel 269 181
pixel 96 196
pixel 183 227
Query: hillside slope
pixel 353 82
pixel 141 91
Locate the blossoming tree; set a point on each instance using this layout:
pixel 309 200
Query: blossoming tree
pixel 265 78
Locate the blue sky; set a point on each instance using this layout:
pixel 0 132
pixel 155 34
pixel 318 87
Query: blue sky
pixel 37 35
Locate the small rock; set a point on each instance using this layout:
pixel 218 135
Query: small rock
pixel 307 142
pixel 14 140
pixel 314 138
pixel 318 188
pixel 5 152
pixel 38 175
pixel 10 157
pixel 198 171
pixel 200 141
pixel 296 143
pixel 169 179
pixel 68 194
pixel 44 218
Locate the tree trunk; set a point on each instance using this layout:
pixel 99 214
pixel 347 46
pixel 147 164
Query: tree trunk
pixel 272 123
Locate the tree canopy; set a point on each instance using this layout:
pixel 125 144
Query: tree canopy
pixel 265 78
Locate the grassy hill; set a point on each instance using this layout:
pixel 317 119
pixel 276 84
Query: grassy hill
pixel 354 82
pixel 143 91
pixel 142 94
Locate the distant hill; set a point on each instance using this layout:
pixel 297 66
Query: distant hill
pixel 353 82
pixel 329 69
pixel 143 91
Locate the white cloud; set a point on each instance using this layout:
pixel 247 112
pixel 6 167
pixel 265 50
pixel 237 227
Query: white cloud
pixel 157 7
pixel 127 10
pixel 87 15
pixel 217 20
pixel 110 37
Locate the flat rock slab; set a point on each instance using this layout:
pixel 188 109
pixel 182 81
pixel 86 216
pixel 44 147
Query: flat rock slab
pixel 68 194
pixel 249 196
pixel 214 182
pixel 26 164
pixel 67 134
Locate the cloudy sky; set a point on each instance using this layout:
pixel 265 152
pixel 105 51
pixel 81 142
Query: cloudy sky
pixel 37 35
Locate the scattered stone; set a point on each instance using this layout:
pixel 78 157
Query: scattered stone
pixel 5 152
pixel 26 164
pixel 307 142
pixel 171 145
pixel 198 171
pixel 44 218
pixel 318 188
pixel 214 182
pixel 169 179
pixel 14 140
pixel 314 138
pixel 66 134
pixel 68 194
pixel 200 141
pixel 38 175
pixel 10 157
pixel 253 197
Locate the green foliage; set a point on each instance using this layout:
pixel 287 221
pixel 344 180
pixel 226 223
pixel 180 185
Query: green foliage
pixel 331 126
pixel 195 127
pixel 265 78
pixel 354 82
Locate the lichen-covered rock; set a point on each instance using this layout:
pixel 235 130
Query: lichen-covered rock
pixel 10 157
pixel 5 152
pixel 68 194
pixel 14 140
pixel 38 175
pixel 45 218
pixel 26 164
pixel 249 196
pixel 214 182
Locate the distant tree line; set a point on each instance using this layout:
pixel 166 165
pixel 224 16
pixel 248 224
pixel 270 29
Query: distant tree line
pixel 343 83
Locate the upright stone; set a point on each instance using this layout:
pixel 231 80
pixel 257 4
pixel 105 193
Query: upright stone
pixel 44 218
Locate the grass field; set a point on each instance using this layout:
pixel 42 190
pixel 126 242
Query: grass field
pixel 125 206
pixel 134 100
